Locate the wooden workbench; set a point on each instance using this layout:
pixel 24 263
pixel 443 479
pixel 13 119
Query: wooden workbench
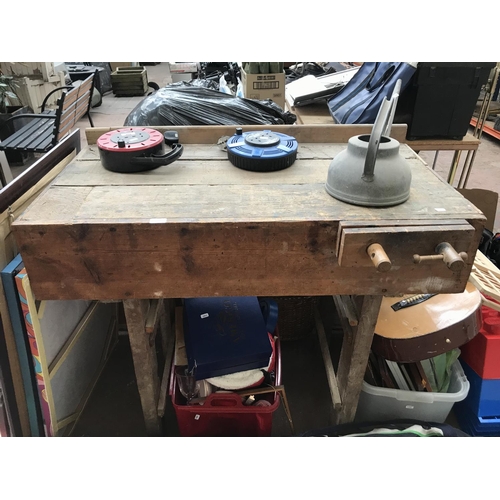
pixel 201 227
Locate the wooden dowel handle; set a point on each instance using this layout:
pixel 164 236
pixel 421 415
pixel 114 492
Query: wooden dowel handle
pixel 417 259
pixel 379 258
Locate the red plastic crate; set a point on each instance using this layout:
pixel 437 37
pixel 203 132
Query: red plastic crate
pixel 223 414
pixel 482 353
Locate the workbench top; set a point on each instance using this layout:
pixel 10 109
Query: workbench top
pixel 202 227
pixel 203 186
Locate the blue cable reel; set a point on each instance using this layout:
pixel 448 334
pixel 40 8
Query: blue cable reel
pixel 261 151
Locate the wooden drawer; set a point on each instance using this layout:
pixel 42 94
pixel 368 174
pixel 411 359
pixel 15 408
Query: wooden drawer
pixel 401 242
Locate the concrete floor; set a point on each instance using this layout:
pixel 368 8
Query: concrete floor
pixel 114 407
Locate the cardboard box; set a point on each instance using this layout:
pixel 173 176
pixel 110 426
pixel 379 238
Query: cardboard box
pixel 486 201
pixel 264 86
pixel 129 81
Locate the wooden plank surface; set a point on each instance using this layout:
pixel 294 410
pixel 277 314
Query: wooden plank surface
pixel 187 260
pixel 204 189
pixel 304 134
pixel 92 173
pixel 225 203
pixel 468 143
pixel 312 113
pixel 211 153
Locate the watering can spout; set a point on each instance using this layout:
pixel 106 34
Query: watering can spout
pixel 381 127
pixel 371 172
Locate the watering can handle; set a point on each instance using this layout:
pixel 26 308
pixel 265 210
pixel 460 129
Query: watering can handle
pixel 382 126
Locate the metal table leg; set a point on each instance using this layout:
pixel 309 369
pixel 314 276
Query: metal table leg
pixel 435 160
pixel 454 167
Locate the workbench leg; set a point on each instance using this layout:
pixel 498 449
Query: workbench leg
pixel 327 360
pixel 167 332
pixel 354 355
pixel 145 362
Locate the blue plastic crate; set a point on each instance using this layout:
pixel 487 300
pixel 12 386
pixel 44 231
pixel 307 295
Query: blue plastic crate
pixel 484 394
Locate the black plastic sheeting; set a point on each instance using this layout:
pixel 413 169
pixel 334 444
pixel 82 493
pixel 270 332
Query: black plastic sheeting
pixel 187 103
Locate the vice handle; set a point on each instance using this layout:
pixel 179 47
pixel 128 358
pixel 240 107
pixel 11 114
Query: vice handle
pixel 446 253
pixel 379 258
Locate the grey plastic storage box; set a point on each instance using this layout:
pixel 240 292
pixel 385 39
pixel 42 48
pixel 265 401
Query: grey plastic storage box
pixel 380 403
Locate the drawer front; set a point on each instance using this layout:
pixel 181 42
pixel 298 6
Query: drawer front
pixel 402 243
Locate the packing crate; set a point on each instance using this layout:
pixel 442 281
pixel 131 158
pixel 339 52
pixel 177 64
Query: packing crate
pixel 128 81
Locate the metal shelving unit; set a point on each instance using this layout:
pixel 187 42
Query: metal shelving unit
pixel 480 126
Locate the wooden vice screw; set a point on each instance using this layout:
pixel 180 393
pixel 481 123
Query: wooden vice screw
pixel 446 253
